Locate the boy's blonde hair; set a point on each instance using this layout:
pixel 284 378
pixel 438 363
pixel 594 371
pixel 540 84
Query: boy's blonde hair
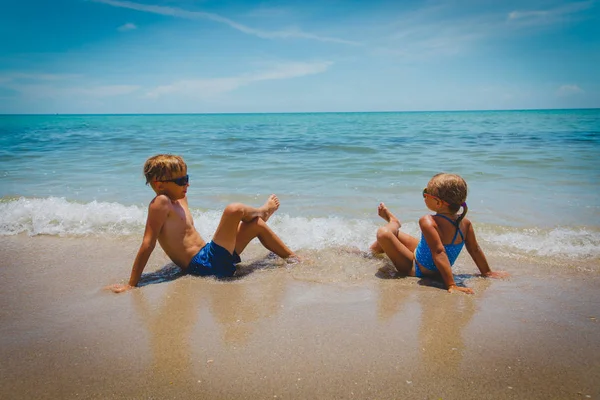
pixel 452 189
pixel 163 166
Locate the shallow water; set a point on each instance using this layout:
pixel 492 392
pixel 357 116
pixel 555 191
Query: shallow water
pixel 533 175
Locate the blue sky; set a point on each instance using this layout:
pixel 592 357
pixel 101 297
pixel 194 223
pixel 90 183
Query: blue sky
pixel 187 56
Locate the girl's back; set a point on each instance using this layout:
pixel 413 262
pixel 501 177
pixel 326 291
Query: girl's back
pixel 447 229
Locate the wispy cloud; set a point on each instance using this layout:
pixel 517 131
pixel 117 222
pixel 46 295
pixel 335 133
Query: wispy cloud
pixel 435 30
pixel 127 27
pixel 203 88
pixel 569 90
pixel 105 90
pixel 25 76
pixel 50 91
pixel 42 85
pixel 549 15
pixel 268 12
pixel 195 15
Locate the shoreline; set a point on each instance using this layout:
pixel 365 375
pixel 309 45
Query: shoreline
pixel 287 331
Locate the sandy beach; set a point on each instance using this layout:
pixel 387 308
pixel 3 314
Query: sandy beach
pixel 291 332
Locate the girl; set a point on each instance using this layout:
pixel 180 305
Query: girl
pixel 442 235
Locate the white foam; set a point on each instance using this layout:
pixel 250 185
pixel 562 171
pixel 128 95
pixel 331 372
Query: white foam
pixel 57 216
pixel 560 241
pixel 305 233
pixel 320 233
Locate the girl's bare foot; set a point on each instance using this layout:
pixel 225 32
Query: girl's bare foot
pixel 386 214
pixel 269 208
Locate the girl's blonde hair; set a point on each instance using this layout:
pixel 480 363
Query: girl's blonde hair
pixel 163 166
pixel 452 189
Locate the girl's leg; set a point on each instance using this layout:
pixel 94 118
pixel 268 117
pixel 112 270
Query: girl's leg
pixel 257 228
pixel 397 245
pixel 227 231
pixel 407 240
pixel 410 242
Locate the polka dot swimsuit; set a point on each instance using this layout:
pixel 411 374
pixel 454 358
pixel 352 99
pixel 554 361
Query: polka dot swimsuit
pixel 423 253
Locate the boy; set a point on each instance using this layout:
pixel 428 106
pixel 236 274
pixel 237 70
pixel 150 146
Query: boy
pixel 170 222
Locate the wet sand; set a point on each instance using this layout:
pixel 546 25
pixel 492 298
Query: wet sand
pixel 328 329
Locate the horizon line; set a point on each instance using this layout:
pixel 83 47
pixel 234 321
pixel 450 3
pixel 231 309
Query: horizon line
pixel 297 112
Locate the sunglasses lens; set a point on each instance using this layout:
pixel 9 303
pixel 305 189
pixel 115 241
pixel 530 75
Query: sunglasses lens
pixel 182 181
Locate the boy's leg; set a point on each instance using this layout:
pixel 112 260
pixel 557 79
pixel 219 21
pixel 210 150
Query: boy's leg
pixel 376 248
pixel 226 233
pixel 397 245
pixel 257 228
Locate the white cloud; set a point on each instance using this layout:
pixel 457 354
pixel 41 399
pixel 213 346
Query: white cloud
pixel 527 14
pixel 43 85
pixel 181 13
pixel 437 30
pixel 549 15
pixel 127 27
pixel 45 90
pixel 203 88
pixel 104 90
pixel 268 12
pixel 23 76
pixel 569 90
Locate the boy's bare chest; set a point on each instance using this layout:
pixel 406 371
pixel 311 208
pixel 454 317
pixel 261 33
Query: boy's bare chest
pixel 178 221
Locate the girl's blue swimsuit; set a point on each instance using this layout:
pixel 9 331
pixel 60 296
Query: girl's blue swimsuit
pixel 424 258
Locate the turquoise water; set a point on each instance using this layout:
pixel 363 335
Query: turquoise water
pixel 533 175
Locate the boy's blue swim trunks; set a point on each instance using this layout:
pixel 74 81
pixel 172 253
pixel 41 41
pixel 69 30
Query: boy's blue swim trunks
pixel 214 260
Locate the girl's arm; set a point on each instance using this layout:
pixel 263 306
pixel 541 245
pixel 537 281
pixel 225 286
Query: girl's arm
pixel 477 254
pixel 440 258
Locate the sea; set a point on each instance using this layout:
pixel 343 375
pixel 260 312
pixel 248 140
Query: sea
pixel 533 175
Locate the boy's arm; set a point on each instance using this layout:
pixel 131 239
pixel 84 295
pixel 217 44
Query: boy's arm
pixel 157 215
pixel 440 258
pixel 478 255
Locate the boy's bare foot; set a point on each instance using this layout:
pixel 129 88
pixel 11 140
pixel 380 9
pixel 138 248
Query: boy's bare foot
pixel 386 214
pixel 269 208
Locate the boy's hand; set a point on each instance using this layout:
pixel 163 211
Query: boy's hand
pixel 119 287
pixel 496 274
pixel 467 290
pixel 294 259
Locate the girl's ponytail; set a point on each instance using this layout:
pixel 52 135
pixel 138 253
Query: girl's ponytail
pixel 461 216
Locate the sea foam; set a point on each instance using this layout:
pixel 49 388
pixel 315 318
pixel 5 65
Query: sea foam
pixel 57 216
pixel 60 217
